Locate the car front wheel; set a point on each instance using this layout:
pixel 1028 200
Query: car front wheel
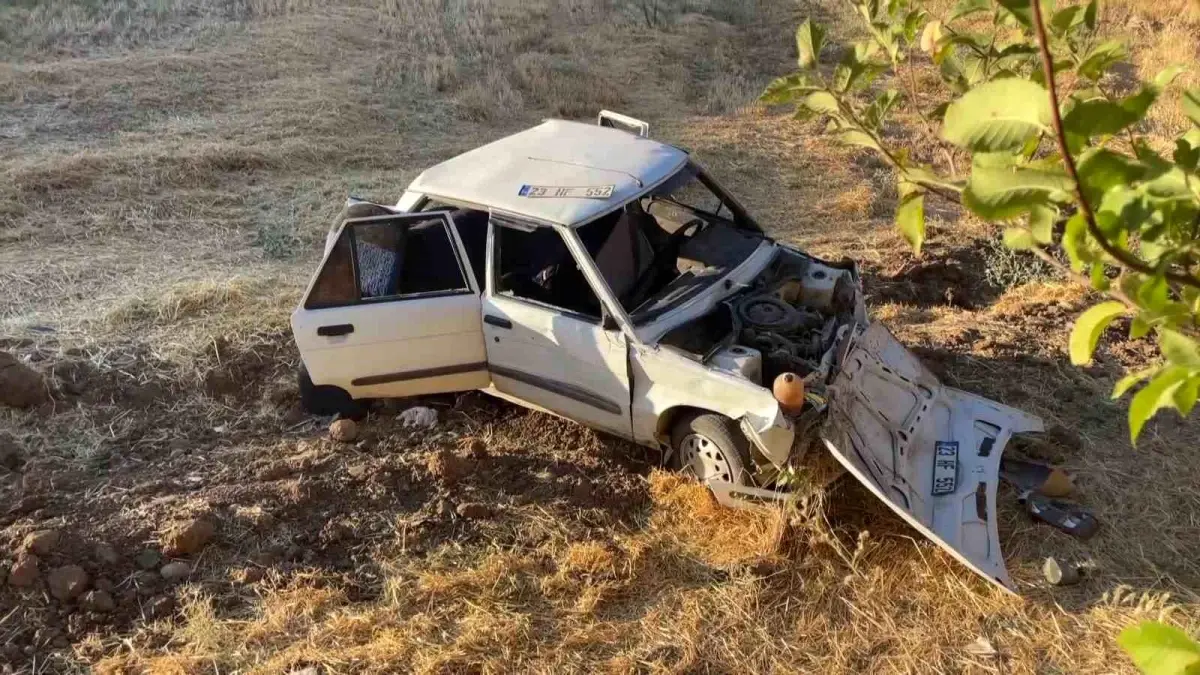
pixel 327 400
pixel 711 447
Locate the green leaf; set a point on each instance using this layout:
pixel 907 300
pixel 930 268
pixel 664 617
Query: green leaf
pixel 1089 14
pixel 1041 223
pixel 1002 193
pixel 1126 383
pixel 1159 393
pixel 877 112
pixel 1100 280
pixel 858 137
pixel 1179 349
pixel 821 102
pixel 910 220
pixel 967 7
pixel 1021 10
pixel 1088 328
pixel 1101 170
pixel 1075 242
pixel 1167 75
pixel 787 89
pixel 1185 155
pixel 1186 395
pixel 1191 105
pixel 1067 18
pixel 1100 59
pixel 810 37
pixel 1139 328
pixel 1097 117
pixel 1159 649
pixel 1154 293
pixel 998 115
pixel 1018 238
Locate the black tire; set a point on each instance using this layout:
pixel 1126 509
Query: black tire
pixel 328 400
pixel 726 448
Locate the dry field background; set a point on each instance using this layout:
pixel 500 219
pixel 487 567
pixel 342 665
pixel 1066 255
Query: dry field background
pixel 168 171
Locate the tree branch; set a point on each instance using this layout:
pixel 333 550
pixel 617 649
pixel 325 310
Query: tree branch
pixel 1120 255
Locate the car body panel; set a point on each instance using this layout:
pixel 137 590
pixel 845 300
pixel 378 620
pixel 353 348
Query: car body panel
pixel 891 421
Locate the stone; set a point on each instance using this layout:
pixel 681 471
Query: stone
pixel 103 584
pixel 67 582
pixel 11 457
pixel 24 572
pixel 477 449
pixel 1059 574
pixel 41 542
pixel 105 554
pixel 97 601
pixel 175 571
pixel 343 431
pixel 148 559
pixel 189 538
pixel 20 385
pixel 473 510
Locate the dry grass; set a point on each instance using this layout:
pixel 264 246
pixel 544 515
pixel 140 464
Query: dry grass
pixel 167 172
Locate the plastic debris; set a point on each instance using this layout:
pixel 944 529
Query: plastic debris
pixel 419 417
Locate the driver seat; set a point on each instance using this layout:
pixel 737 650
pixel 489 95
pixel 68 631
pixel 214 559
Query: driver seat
pixel 626 254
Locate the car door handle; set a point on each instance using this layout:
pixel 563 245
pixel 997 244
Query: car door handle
pixel 497 321
pixel 336 329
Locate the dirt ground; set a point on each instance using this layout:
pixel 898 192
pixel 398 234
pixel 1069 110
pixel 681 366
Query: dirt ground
pixel 169 171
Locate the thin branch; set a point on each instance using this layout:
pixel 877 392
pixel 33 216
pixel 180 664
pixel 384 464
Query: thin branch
pixel 1119 254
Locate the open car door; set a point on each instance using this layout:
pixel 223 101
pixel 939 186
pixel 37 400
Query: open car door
pixel 931 452
pixel 394 310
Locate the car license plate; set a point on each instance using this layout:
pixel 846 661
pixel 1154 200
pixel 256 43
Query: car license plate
pixel 945 467
pixel 586 192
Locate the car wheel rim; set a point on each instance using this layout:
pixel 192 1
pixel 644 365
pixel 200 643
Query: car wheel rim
pixel 701 457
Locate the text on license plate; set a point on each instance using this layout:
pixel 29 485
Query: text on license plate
pixel 580 192
pixel 945 467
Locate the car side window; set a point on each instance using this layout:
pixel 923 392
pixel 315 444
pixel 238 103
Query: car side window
pixel 537 266
pixel 384 259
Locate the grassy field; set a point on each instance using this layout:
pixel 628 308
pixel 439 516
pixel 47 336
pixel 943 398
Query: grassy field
pixel 168 170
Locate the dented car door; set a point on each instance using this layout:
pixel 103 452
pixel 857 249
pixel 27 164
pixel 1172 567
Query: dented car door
pixel 931 452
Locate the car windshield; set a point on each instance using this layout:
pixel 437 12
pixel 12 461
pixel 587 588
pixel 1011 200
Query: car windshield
pixel 671 243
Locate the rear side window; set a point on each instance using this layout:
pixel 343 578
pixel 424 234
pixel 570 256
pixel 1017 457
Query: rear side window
pixel 389 258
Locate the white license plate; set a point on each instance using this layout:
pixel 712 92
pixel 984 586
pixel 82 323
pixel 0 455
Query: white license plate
pixel 945 467
pixel 551 191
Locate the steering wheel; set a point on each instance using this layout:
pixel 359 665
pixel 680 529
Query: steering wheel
pixel 668 254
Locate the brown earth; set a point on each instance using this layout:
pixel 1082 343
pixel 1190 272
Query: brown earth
pixel 168 173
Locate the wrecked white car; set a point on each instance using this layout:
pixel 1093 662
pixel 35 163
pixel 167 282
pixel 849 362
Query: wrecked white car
pixel 594 273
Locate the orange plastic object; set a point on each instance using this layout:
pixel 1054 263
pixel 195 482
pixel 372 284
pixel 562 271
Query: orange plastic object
pixel 789 391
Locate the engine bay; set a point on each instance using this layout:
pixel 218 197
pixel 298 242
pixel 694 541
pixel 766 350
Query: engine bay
pixel 788 320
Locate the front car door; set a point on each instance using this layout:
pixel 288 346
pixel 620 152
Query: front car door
pixel 546 341
pixel 394 310
pixel 929 451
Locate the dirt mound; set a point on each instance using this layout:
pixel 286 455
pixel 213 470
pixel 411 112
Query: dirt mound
pixel 952 276
pixel 20 385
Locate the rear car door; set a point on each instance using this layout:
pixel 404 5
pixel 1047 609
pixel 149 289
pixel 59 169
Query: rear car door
pixel 931 452
pixel 394 310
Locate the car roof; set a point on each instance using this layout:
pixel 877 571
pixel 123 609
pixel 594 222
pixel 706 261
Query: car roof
pixel 555 153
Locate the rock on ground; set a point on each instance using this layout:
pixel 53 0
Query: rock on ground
pixel 41 542
pixel 176 571
pixel 67 582
pixel 24 572
pixel 97 601
pixel 148 559
pixel 11 457
pixel 343 431
pixel 474 510
pixel 105 554
pixel 20 385
pixel 189 538
pixel 447 467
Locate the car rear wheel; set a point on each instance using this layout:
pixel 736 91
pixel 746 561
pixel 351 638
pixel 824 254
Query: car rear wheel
pixel 328 400
pixel 711 447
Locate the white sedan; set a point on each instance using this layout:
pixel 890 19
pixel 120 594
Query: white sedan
pixel 596 274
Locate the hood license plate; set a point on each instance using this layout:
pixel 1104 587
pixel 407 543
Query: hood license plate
pixel 945 467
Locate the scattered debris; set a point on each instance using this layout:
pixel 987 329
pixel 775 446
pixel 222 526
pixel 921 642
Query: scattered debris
pixel 24 572
pixel 148 559
pixel 344 430
pixel 1071 518
pixel 175 571
pixel 189 538
pixel 97 601
pixel 473 510
pixel 419 417
pixel 67 582
pixel 1050 481
pixel 1061 575
pixel 41 542
pixel 20 385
